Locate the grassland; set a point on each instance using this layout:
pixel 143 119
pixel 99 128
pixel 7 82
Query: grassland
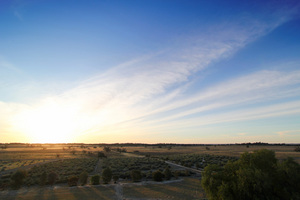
pixel 282 152
pixel 189 188
pixel 54 151
pixel 71 159
pixel 70 193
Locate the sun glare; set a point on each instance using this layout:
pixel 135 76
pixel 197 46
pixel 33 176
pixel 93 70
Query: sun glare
pixel 47 124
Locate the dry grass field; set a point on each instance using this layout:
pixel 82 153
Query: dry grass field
pixel 45 151
pixel 73 193
pixel 189 188
pixel 16 156
pixel 282 152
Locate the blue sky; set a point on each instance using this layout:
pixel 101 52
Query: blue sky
pixel 150 71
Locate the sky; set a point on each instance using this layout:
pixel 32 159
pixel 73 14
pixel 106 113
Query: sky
pixel 168 71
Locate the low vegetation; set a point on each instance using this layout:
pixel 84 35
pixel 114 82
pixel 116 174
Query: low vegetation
pixel 17 178
pixel 106 175
pixel 198 161
pixel 12 164
pixel 63 170
pixel 158 175
pixel 136 175
pixel 256 175
pixel 123 167
pixel 83 177
pixel 95 180
pixel 72 181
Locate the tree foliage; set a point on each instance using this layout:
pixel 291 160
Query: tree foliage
pixel 107 149
pixel 18 178
pixel 136 175
pixel 83 178
pixel 101 155
pixel 43 178
pixel 95 180
pixel 52 177
pixel 253 176
pixel 157 175
pixel 167 173
pixel 72 181
pixel 106 175
pixel 115 178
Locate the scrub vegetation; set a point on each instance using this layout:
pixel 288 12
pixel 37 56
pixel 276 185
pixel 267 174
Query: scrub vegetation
pixel 254 176
pixel 153 170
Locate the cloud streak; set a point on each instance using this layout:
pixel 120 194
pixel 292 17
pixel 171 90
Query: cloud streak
pixel 288 132
pixel 151 93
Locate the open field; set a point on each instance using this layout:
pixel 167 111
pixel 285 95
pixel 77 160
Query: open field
pixel 71 159
pixel 282 152
pixel 188 188
pixel 45 151
pixel 53 151
pixel 10 164
pixel 99 192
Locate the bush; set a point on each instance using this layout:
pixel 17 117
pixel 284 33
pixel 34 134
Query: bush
pixel 167 173
pixel 52 177
pixel 101 155
pixel 18 178
pixel 136 175
pixel 187 173
pixel 107 149
pixel 157 175
pixel 95 180
pixel 106 175
pixel 72 181
pixel 43 178
pixel 253 176
pixel 83 178
pixel 115 178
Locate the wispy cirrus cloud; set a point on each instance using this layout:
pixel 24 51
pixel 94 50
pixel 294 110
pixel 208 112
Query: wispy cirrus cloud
pixel 150 93
pixel 287 132
pixel 258 87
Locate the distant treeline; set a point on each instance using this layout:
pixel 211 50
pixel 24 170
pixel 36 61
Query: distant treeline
pixel 157 144
pixel 176 144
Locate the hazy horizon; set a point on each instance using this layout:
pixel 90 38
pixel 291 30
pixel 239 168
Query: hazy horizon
pixel 188 72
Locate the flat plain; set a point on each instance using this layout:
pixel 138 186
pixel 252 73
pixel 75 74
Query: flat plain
pixel 72 159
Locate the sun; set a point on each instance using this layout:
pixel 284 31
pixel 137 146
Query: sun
pixel 48 124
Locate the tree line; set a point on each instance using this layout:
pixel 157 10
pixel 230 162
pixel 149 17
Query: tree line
pixel 257 175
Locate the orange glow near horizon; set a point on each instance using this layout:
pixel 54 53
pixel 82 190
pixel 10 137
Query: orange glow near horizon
pixel 47 124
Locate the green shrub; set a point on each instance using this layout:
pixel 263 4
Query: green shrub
pixel 95 180
pixel 157 175
pixel 176 174
pixel 106 175
pixel 187 173
pixel 167 173
pixel 101 155
pixel 254 176
pixel 83 178
pixel 43 178
pixel 52 177
pixel 18 178
pixel 136 175
pixel 72 181
pixel 115 178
